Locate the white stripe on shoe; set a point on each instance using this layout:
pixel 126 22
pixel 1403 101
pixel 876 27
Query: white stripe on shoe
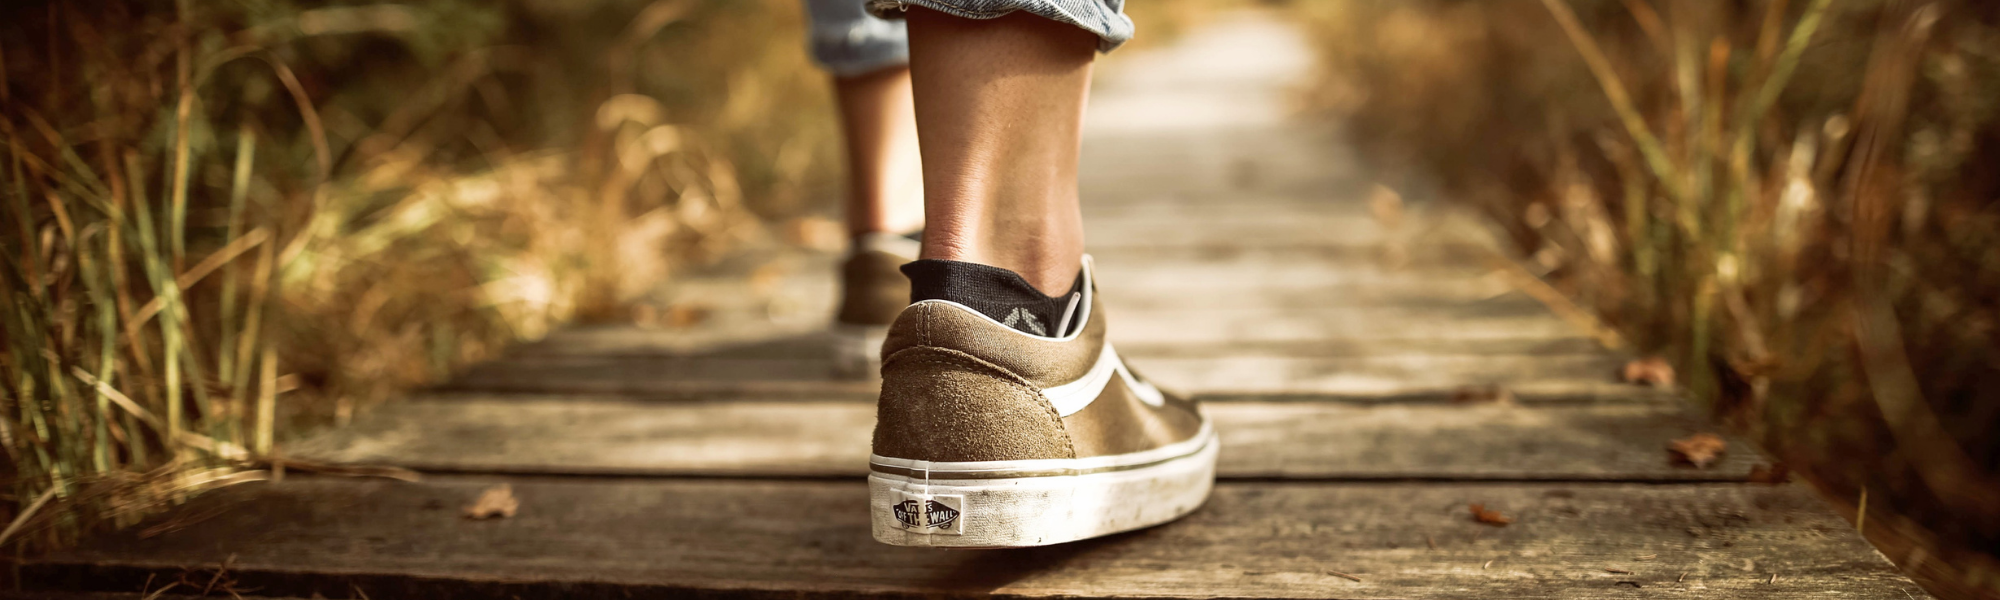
pixel 1074 396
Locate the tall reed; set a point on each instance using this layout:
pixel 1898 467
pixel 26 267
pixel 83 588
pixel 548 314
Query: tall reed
pixel 1783 196
pixel 228 221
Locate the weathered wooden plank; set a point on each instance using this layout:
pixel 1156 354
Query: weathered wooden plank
pixel 817 344
pixel 830 439
pixel 1462 442
pixel 193 588
pixel 1343 215
pixel 1514 347
pixel 605 436
pixel 1335 279
pixel 1251 169
pixel 1430 254
pixel 678 369
pixel 1280 228
pixel 1567 377
pixel 1240 228
pixel 692 379
pixel 1572 376
pixel 1334 197
pixel 1253 315
pixel 1227 277
pixel 1501 329
pixel 1243 166
pixel 1223 327
pixel 1533 378
pixel 1220 288
pixel 581 538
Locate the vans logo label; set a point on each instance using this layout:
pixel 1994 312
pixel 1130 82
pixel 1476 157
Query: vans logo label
pixel 930 514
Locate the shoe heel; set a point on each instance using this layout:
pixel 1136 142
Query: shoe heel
pixel 925 511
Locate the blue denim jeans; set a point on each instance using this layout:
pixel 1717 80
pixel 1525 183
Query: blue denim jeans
pixel 848 40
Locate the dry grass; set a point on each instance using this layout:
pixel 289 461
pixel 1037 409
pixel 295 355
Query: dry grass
pixel 228 221
pixel 1787 198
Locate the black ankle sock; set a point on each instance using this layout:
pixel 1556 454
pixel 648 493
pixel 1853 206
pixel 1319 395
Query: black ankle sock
pixel 995 292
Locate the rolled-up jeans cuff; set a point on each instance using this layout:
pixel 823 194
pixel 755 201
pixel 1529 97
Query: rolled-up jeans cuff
pixel 847 41
pixel 1106 18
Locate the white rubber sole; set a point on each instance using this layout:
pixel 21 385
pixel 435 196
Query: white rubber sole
pixel 1013 504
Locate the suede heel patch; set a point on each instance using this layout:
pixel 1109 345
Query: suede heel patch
pixel 943 405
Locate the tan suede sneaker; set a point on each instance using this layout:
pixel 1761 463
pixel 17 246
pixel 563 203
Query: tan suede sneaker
pixel 989 437
pixel 872 292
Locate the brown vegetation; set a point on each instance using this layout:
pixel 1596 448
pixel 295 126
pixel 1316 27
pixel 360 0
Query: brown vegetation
pixel 225 221
pixel 1791 200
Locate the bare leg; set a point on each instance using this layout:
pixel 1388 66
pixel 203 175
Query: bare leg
pixel 885 191
pixel 999 107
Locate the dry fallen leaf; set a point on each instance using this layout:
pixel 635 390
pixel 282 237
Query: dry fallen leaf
pixel 1482 394
pixel 1394 255
pixel 497 501
pixel 1536 215
pixel 646 316
pixel 1700 449
pixel 1387 205
pixel 1772 473
pixel 1652 370
pixel 682 316
pixel 1489 517
pixel 768 277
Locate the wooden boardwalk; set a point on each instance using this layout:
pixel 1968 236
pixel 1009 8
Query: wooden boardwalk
pixel 1345 344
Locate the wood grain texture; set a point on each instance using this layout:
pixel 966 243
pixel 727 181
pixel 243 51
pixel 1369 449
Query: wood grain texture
pixel 579 538
pixel 830 439
pixel 1242 228
pixel 1418 254
pixel 56 595
pixel 1573 376
pixel 635 343
pixel 1250 169
pixel 1220 326
pixel 1335 282
pixel 1502 326
pixel 689 378
pixel 1565 377
pixel 1220 329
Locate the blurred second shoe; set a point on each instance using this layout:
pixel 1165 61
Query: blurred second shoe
pixel 873 290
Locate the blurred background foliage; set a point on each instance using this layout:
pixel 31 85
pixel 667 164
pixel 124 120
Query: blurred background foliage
pixel 229 220
pixel 1794 201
